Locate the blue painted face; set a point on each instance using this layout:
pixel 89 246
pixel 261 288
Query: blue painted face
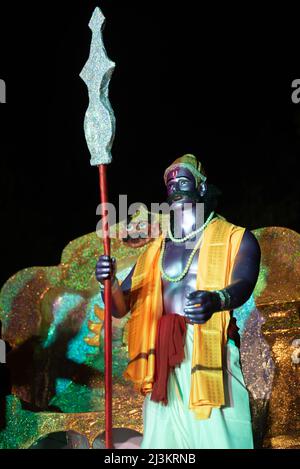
pixel 181 187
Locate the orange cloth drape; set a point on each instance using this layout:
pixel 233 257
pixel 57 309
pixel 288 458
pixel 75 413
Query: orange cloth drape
pixel 220 244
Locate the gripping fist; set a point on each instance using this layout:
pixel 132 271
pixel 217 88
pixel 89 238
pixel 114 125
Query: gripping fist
pixel 105 268
pixel 201 305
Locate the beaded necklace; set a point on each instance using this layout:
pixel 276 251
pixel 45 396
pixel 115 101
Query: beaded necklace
pixel 192 234
pixel 185 270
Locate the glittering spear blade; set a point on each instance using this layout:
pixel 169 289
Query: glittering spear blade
pixel 99 128
pixel 99 121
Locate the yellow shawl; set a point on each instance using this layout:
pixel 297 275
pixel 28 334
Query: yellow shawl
pixel 220 244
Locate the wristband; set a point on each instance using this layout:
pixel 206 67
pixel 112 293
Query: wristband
pixel 224 299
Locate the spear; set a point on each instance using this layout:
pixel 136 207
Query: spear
pixel 99 129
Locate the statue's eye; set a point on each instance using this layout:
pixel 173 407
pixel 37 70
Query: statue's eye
pixel 142 225
pixel 183 182
pixel 130 227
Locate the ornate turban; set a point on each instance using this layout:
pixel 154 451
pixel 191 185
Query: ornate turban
pixel 191 163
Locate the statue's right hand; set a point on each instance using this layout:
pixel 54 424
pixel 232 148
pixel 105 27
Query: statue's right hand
pixel 105 268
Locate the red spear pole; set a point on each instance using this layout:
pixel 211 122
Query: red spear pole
pixel 107 313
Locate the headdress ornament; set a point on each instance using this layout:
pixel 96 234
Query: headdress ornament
pixel 191 163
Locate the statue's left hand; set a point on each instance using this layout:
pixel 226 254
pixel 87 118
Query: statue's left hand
pixel 201 305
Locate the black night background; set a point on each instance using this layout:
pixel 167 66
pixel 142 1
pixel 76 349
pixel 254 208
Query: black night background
pixel 187 80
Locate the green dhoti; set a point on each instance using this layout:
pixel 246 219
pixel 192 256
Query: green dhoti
pixel 174 426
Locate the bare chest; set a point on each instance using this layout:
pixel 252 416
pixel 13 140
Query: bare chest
pixel 176 260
